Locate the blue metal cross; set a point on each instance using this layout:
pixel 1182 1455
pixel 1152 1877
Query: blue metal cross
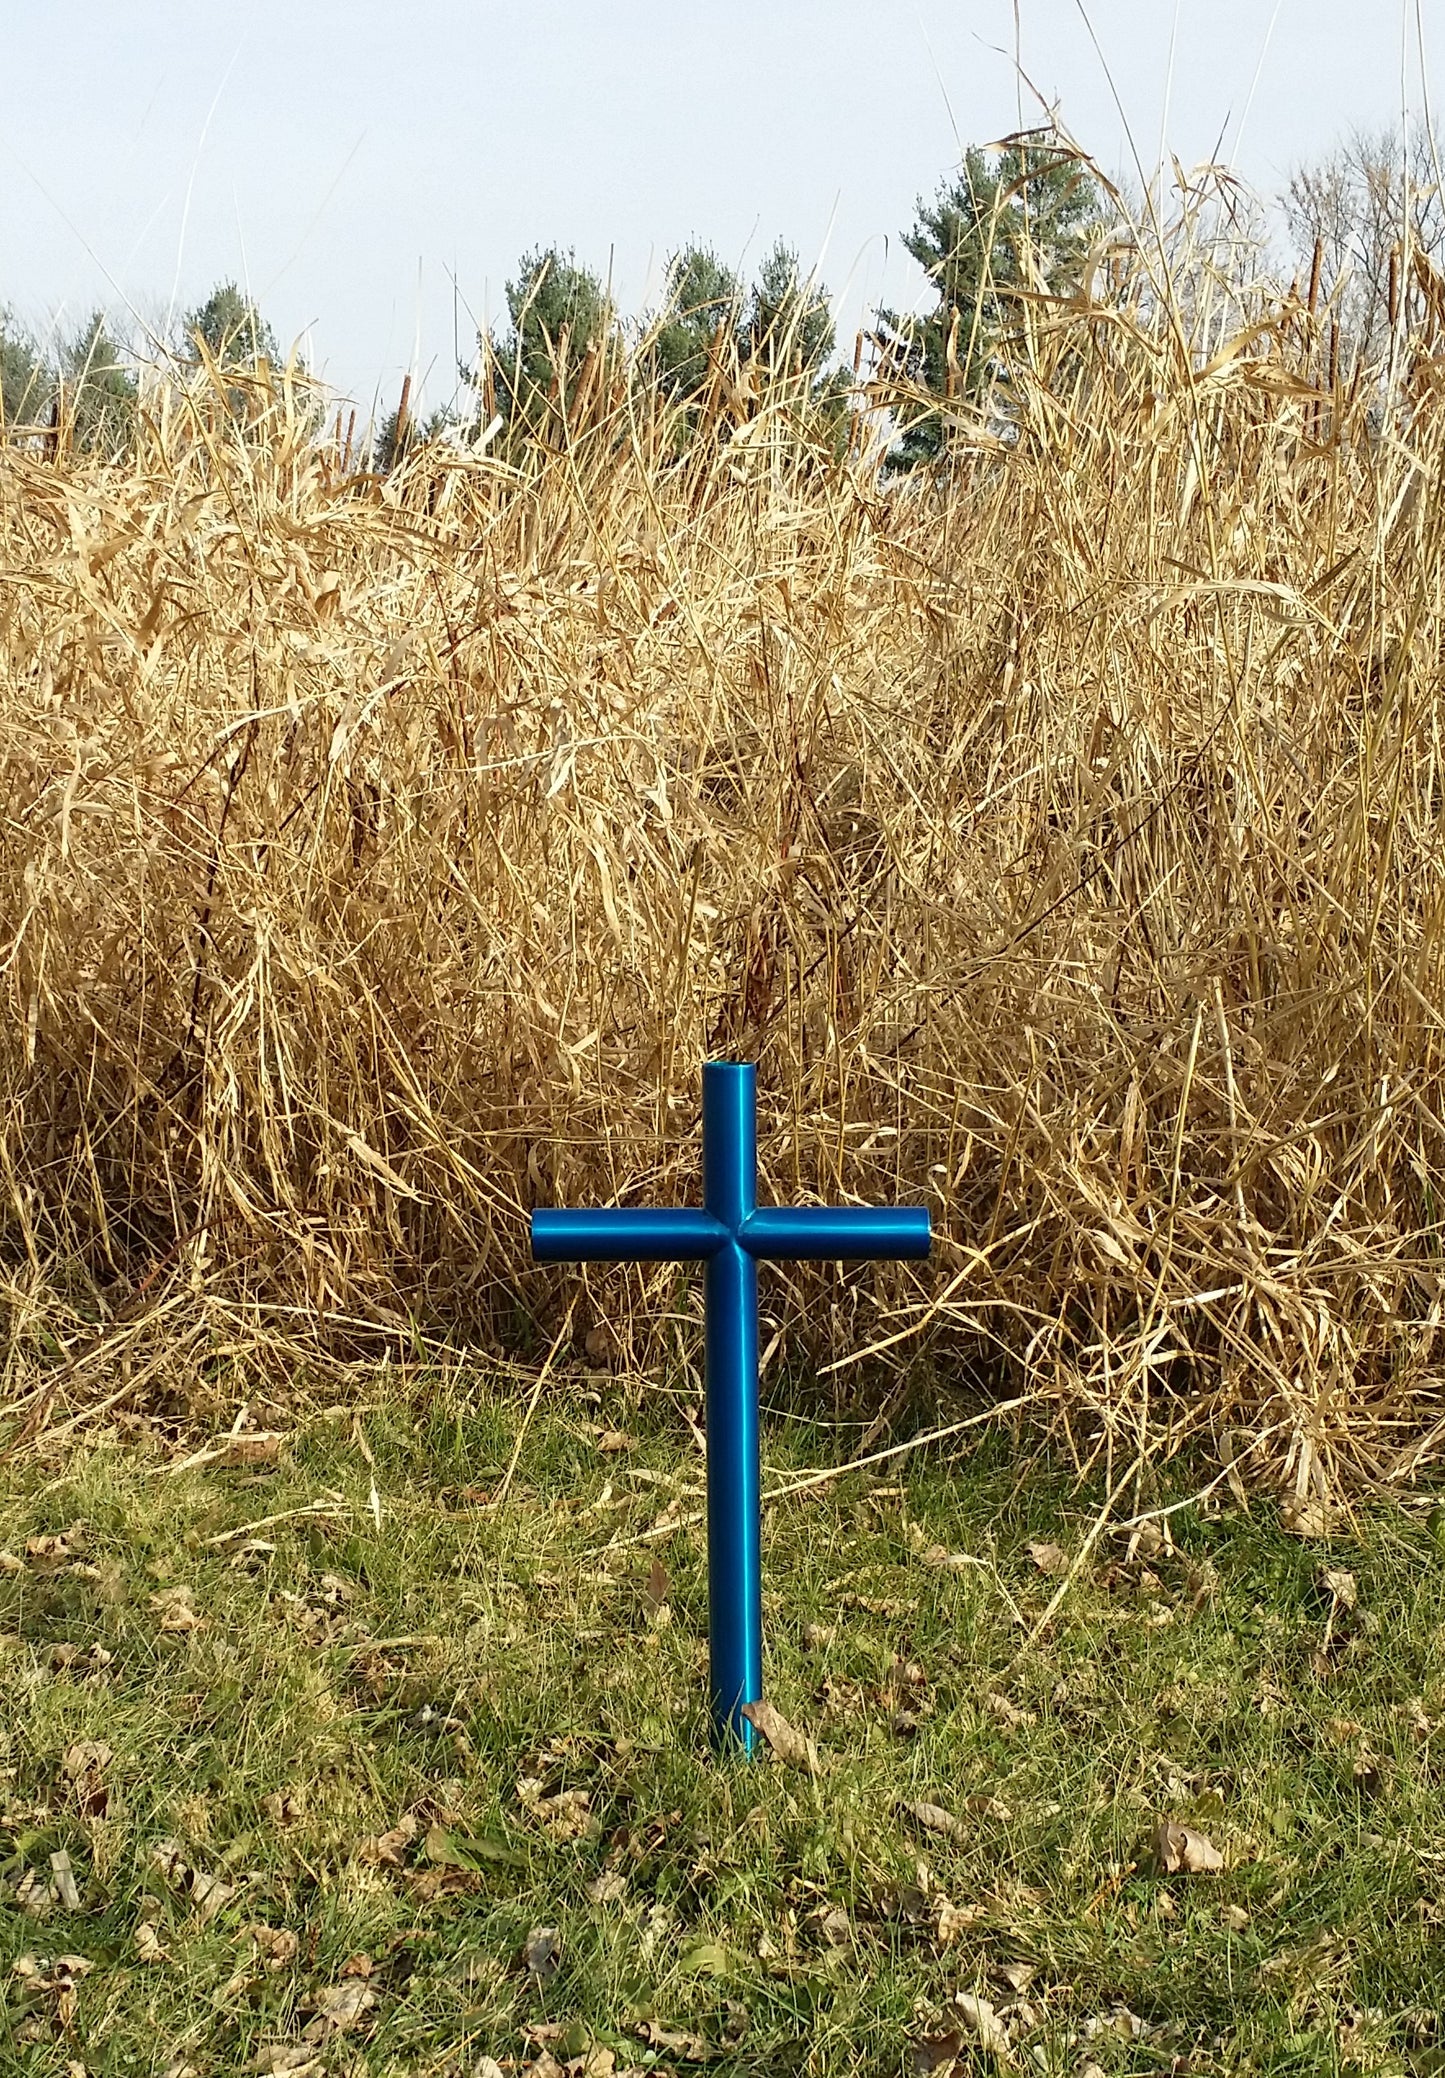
pixel 731 1235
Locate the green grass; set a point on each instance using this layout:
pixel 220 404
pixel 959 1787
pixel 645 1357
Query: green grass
pixel 505 1696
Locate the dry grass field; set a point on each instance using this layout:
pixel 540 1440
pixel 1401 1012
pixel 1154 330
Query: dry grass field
pixel 383 857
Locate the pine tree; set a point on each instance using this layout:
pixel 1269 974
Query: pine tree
pixel 558 312
pixel 27 385
pixel 704 298
pixel 99 390
pixel 231 328
pixel 1021 223
pixel 789 325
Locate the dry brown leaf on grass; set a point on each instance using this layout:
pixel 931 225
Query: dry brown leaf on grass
pixel 274 1946
pixel 389 1850
pixel 1180 1851
pixel 62 1876
pixel 147 1944
pixel 1009 1714
pixel 86 1757
pixel 1304 1515
pixel 338 2007
pixel 979 2028
pixel 793 1748
pixel 542 1955
pixel 934 1819
pixel 951 1922
pixel 600 1345
pixel 693 2049
pixel 657 1587
pixel 1341 1586
pixel 1051 1559
pixel 53 1550
pixel 209 1893
pixel 176 1609
pixel 288 2060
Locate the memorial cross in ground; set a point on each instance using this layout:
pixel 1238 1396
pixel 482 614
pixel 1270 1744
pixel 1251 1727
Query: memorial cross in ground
pixel 731 1235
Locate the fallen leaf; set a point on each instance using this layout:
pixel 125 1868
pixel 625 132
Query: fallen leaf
pixel 1180 1851
pixel 1305 1516
pixel 86 1757
pixel 607 1889
pixel 84 1766
pixel 388 1850
pixel 1235 1918
pixel 888 1606
pixel 658 1586
pixel 48 1553
pixel 34 1895
pixel 276 1946
pixel 817 1635
pixel 339 2007
pixel 177 1614
pixel 1341 1585
pixel 792 1748
pixel 934 1819
pixel 1413 1714
pixel 693 2049
pixel 936 2053
pixel 1008 1714
pixel 284 1806
pixel 295 2059
pixel 542 1955
pixel 210 1894
pixel 63 1878
pixel 254 1447
pixel 1049 1558
pixel 147 1943
pixel 949 1921
pixel 983 2023
pixel 989 1807
pixel 835 1928
pixel 168 1858
pixel 566 1816
pixel 1120 2021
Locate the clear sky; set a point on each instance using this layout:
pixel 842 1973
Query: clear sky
pixel 372 170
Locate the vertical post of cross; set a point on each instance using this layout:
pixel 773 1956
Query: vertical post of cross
pixel 734 1509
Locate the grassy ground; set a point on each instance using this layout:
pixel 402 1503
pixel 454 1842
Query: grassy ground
pixel 322 1743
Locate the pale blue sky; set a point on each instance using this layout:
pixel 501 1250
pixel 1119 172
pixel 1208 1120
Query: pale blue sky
pixel 347 160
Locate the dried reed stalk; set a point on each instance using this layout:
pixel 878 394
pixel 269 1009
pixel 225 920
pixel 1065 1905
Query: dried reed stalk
pixel 1065 842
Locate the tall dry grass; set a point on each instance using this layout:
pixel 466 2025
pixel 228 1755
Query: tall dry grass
pixel 383 858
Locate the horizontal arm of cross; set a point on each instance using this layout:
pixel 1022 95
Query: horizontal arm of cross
pixel 835 1233
pixel 775 1233
pixel 626 1235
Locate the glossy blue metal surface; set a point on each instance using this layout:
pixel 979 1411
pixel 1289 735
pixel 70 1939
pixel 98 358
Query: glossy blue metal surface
pixel 731 1235
pixel 841 1233
pixel 625 1236
pixel 734 1511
